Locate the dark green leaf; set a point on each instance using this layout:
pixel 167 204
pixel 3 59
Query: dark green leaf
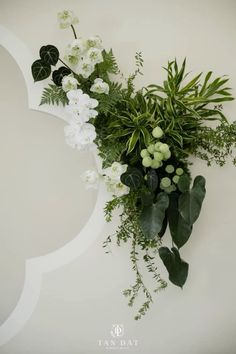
pixel 180 230
pixel 49 54
pixel 151 218
pixel 184 183
pixel 132 178
pixel 152 180
pixel 176 267
pixel 40 70
pixel 58 75
pixel 190 203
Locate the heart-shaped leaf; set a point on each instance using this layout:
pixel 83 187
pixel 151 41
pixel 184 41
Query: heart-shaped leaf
pixel 151 218
pixel 184 183
pixel 176 267
pixel 49 54
pixel 40 70
pixel 133 178
pixel 58 75
pixel 152 180
pixel 190 202
pixel 180 230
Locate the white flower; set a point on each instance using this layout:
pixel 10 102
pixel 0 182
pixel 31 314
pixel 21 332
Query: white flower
pixel 115 171
pixel 77 97
pixel 94 55
pixel 94 42
pixel 69 83
pixel 85 68
pixel 91 179
pixel 116 188
pixel 87 134
pixel 80 136
pixel 75 51
pixel 99 86
pixel 66 19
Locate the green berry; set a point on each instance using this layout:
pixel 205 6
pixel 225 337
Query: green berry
pixel 179 171
pixel 169 168
pixel 165 182
pixel 144 153
pixel 170 189
pixel 147 161
pixel 151 148
pixel 157 145
pixel 155 164
pixel 158 156
pixel 175 179
pixel 167 155
pixel 164 148
pixel 157 132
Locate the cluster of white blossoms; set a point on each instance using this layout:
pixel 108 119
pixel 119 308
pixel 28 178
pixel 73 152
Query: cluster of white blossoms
pixel 83 55
pixel 66 19
pixel 79 133
pixel 111 178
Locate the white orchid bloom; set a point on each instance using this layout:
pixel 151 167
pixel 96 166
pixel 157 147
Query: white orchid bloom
pixel 80 136
pixel 115 171
pixel 85 68
pixel 99 86
pixel 94 42
pixel 94 55
pixel 66 18
pixel 69 83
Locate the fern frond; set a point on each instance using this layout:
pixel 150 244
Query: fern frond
pixel 54 95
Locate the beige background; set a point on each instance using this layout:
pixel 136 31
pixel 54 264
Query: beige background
pixel 41 193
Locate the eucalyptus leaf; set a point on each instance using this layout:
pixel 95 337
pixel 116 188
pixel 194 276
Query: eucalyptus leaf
pixel 49 54
pixel 40 70
pixel 190 202
pixel 151 218
pixel 176 267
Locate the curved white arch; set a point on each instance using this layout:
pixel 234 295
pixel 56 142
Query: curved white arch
pixel 36 267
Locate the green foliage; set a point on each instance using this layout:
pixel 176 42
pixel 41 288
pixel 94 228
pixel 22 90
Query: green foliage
pixel 177 268
pixel 151 217
pixel 49 54
pixel 132 178
pixel 40 70
pixel 180 229
pixel 190 202
pixel 54 95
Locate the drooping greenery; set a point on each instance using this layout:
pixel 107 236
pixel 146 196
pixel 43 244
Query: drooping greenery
pixel 153 130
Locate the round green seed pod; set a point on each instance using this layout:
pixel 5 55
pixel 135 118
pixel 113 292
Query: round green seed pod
pixel 158 156
pixel 167 155
pixel 169 168
pixel 144 153
pixel 157 145
pixel 164 148
pixel 151 148
pixel 165 182
pixel 155 164
pixel 179 171
pixel 147 161
pixel 157 132
pixel 170 189
pixel 175 179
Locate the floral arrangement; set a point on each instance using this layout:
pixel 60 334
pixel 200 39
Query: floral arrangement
pixel 144 138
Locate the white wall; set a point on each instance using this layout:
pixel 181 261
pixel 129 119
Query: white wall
pixel 80 302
